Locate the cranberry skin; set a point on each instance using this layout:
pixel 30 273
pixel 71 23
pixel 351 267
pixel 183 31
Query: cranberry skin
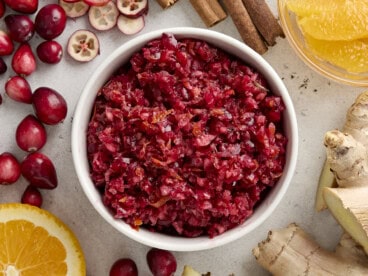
pixel 39 170
pixel 21 27
pixel 3 66
pixel 24 61
pixel 23 6
pixel 9 169
pixel 161 262
pixel 2 8
pixel 32 196
pixel 30 134
pixel 18 89
pixel 50 21
pixel 6 44
pixel 124 267
pixel 50 107
pixel 50 52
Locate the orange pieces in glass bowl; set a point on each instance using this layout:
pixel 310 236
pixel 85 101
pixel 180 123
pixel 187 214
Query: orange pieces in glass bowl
pixel 335 31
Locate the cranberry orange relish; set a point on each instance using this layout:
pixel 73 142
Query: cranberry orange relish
pixel 185 139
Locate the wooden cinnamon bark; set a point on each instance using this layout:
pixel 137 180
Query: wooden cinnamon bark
pixel 244 24
pixel 264 20
pixel 166 3
pixel 210 11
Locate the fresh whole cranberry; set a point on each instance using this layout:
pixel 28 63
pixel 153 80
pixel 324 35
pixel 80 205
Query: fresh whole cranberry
pixel 30 134
pixel 23 6
pixel 50 21
pixel 32 196
pixel 124 267
pixel 39 170
pixel 50 52
pixel 6 44
pixel 161 262
pixel 50 107
pixel 9 169
pixel 24 61
pixel 18 89
pixel 20 27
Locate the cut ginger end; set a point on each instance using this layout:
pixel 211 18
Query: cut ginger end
pixel 35 242
pixel 349 207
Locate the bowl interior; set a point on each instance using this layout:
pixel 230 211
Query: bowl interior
pixel 82 117
pixel 296 40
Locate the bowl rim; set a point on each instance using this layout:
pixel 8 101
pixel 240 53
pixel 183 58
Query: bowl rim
pixel 159 240
pixel 310 59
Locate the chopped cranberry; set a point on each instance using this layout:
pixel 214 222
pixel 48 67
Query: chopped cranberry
pixel 185 139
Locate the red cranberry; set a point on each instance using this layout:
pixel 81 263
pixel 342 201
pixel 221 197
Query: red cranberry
pixel 50 21
pixel 23 61
pixel 50 107
pixel 6 44
pixel 23 6
pixel 124 267
pixel 18 89
pixel 161 262
pixel 50 52
pixel 32 196
pixel 30 134
pixel 9 168
pixel 39 170
pixel 21 27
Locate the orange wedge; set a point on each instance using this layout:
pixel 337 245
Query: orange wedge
pixel 33 242
pixel 348 22
pixel 349 55
pixel 308 7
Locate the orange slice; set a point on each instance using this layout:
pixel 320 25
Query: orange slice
pixel 348 22
pixel 308 7
pixel 33 242
pixel 349 55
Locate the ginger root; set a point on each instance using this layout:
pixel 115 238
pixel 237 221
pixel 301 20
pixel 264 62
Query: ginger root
pixel 347 159
pixel 349 206
pixel 343 189
pixel 356 125
pixel 291 251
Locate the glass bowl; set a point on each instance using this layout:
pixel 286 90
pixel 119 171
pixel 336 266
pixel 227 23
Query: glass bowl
pixel 297 41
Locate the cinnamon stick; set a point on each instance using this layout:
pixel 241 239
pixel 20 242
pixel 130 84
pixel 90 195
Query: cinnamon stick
pixel 244 24
pixel 264 20
pixel 166 3
pixel 210 11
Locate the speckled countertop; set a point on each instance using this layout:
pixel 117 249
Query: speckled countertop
pixel 320 105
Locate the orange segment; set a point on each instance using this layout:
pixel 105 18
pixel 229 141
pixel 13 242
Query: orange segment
pixel 348 22
pixel 308 7
pixel 34 242
pixel 349 55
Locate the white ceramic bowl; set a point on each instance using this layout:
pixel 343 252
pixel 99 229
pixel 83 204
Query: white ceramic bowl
pixel 83 113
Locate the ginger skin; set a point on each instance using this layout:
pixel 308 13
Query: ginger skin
pixel 347 159
pixel 290 251
pixel 356 125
